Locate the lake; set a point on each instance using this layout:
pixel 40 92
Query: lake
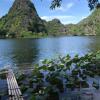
pixel 23 53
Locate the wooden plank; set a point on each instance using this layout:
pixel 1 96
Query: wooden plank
pixel 17 90
pixel 13 88
pixel 11 94
pixel 15 85
pixel 10 85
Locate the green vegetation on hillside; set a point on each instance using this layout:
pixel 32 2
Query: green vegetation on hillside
pixel 91 24
pixel 88 26
pixel 22 18
pixel 55 27
pixel 23 21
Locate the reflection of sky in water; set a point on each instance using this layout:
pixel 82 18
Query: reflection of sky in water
pixel 19 51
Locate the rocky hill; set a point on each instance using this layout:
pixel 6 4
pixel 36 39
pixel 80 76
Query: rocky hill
pixel 22 19
pixel 88 26
pixel 91 24
pixel 55 27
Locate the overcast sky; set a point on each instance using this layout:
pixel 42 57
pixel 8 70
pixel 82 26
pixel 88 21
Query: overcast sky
pixel 71 11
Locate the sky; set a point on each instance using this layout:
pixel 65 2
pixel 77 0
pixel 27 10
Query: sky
pixel 71 11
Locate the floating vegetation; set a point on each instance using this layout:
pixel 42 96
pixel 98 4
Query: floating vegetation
pixel 3 74
pixel 3 85
pixel 55 77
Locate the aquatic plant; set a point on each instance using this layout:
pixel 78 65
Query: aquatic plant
pixel 96 85
pixel 53 77
pixel 3 74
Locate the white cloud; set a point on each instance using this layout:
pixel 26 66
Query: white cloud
pixel 65 19
pixel 48 18
pixel 70 5
pixel 64 7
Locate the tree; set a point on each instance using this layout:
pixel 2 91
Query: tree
pixel 91 3
pixel 3 33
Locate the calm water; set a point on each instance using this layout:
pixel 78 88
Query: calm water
pixel 18 52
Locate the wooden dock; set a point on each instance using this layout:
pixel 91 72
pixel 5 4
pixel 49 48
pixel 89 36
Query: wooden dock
pixel 13 88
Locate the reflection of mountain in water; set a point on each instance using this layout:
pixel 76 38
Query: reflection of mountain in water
pixel 22 51
pixel 25 51
pixel 95 43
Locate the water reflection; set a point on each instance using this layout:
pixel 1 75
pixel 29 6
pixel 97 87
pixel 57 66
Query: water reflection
pixel 95 43
pixel 25 51
pixel 18 52
pixel 22 51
